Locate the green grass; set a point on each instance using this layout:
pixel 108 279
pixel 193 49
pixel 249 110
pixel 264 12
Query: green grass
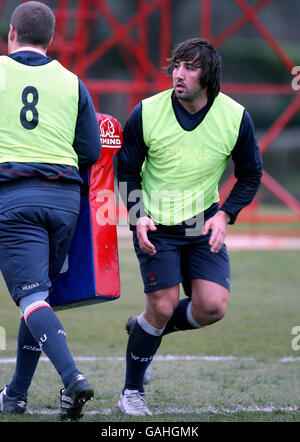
pixel 263 309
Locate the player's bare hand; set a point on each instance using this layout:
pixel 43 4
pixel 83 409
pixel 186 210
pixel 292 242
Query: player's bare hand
pixel 143 225
pixel 217 224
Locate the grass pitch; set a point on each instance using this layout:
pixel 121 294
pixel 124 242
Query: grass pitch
pixel 242 369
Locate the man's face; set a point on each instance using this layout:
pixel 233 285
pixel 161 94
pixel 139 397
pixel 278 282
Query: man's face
pixel 186 82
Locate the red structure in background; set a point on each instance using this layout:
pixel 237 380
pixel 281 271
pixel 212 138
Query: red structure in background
pixel 72 48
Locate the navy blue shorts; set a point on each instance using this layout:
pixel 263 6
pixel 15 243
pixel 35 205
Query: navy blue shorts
pixel 180 258
pixel 35 239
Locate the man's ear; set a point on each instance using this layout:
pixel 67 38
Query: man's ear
pixel 11 33
pixel 49 43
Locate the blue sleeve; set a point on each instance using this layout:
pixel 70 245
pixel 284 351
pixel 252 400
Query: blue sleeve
pixel 247 169
pixel 246 154
pixel 130 161
pixel 87 143
pixel 134 151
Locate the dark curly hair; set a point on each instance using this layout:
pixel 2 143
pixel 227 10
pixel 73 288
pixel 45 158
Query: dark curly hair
pixel 202 53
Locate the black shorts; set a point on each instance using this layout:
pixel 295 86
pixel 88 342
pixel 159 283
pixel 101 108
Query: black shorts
pixel 180 258
pixel 35 240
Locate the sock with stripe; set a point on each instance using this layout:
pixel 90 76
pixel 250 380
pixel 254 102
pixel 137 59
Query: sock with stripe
pixel 182 318
pixel 48 331
pixel 143 343
pixel 28 354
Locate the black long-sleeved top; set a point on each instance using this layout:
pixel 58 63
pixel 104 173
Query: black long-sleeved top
pixel 87 143
pixel 245 155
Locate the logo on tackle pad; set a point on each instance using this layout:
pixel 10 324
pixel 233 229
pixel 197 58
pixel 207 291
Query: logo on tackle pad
pixel 108 134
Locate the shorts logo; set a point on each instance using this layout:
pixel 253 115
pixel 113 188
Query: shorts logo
pixel 30 286
pixel 151 276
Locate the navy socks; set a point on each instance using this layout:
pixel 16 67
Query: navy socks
pixel 182 318
pixel 144 340
pixel 48 331
pixel 44 332
pixel 141 348
pixel 28 355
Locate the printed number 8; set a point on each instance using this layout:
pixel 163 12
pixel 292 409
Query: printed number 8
pixel 29 106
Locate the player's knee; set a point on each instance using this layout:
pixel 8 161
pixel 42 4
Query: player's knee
pixel 160 312
pixel 210 313
pixel 165 311
pixel 216 312
pixel 160 306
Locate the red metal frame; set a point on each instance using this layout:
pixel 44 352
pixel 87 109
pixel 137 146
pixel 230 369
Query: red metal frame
pixel 72 49
pixel 250 15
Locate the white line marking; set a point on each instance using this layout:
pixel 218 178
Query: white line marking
pixel 197 411
pixel 165 358
pixel 290 359
pixel 168 358
pixel 158 358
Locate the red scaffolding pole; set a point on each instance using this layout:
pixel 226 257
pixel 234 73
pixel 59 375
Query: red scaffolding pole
pixel 250 14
